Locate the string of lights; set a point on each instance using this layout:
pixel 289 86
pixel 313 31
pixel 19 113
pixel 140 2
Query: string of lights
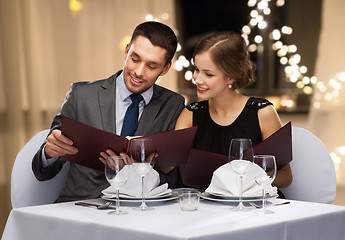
pixel 287 53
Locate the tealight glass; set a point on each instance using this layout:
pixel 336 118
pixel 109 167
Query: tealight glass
pixel 189 201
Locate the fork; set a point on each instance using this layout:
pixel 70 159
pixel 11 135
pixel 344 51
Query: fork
pixel 277 204
pixel 98 206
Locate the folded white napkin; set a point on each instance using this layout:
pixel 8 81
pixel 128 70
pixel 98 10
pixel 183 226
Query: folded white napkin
pixel 226 182
pixel 132 187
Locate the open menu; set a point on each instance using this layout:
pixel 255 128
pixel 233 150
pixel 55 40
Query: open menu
pixel 173 147
pixel 198 170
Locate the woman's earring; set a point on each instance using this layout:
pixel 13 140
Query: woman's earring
pixel 230 85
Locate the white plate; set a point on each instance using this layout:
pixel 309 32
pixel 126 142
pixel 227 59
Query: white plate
pixel 123 196
pixel 168 197
pixel 211 197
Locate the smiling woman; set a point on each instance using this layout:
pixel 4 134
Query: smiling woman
pixel 222 66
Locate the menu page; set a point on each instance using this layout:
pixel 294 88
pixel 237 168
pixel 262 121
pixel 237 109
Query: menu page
pixel 173 147
pixel 198 170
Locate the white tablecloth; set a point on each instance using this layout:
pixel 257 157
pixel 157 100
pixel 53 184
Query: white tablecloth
pixel 213 220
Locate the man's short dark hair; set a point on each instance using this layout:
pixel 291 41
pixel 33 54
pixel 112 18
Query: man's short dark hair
pixel 159 35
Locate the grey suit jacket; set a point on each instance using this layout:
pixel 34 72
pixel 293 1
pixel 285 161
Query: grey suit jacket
pixel 93 103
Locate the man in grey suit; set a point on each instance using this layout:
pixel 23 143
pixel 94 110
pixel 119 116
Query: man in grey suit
pixel 103 104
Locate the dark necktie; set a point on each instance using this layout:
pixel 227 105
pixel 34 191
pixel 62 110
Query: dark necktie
pixel 130 122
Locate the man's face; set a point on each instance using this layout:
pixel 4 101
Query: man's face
pixel 144 63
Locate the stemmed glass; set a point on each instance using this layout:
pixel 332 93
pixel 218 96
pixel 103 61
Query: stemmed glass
pixel 241 160
pixel 117 173
pixel 143 156
pixel 268 164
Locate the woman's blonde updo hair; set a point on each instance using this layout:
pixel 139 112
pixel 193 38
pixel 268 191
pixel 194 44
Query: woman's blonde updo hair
pixel 228 50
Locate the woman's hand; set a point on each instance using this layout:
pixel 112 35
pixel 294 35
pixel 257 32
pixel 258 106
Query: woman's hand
pixel 110 153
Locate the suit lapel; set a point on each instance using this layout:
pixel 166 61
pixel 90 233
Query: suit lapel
pixel 149 114
pixel 106 97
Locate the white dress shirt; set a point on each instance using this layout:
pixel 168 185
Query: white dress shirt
pixel 123 101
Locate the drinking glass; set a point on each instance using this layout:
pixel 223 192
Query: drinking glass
pixel 268 164
pixel 143 156
pixel 117 173
pixel 241 160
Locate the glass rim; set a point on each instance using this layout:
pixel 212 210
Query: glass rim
pixel 263 156
pixel 241 139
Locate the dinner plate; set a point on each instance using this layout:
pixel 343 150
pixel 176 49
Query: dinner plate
pixel 168 197
pixel 123 196
pixel 219 198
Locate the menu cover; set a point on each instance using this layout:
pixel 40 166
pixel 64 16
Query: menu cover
pixel 173 147
pixel 198 170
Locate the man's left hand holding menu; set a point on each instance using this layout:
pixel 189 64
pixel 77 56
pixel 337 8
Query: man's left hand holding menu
pixel 103 104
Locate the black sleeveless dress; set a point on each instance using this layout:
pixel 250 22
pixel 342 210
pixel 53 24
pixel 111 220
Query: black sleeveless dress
pixel 215 138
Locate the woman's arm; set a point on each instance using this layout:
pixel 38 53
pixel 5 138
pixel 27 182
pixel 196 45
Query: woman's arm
pixel 185 120
pixel 269 124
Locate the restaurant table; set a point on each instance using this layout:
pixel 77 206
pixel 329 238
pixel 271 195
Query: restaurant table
pixel 212 220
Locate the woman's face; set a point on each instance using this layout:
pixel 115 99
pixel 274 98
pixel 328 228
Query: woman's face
pixel 210 80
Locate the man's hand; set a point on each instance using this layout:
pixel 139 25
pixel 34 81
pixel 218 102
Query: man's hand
pixel 110 153
pixel 58 145
pixel 128 160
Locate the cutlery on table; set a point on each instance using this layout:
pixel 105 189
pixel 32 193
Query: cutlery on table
pixel 98 206
pixel 276 204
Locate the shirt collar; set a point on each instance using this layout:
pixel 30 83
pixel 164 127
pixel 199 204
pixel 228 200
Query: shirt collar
pixel 125 93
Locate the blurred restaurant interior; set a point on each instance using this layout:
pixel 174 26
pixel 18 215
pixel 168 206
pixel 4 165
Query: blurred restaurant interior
pixel 296 46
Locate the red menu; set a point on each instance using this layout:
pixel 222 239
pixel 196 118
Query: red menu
pixel 173 147
pixel 198 170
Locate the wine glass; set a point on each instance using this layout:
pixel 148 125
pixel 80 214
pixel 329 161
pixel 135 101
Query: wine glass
pixel 241 160
pixel 268 164
pixel 117 173
pixel 143 156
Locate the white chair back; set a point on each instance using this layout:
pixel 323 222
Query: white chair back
pixel 312 169
pixel 26 190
